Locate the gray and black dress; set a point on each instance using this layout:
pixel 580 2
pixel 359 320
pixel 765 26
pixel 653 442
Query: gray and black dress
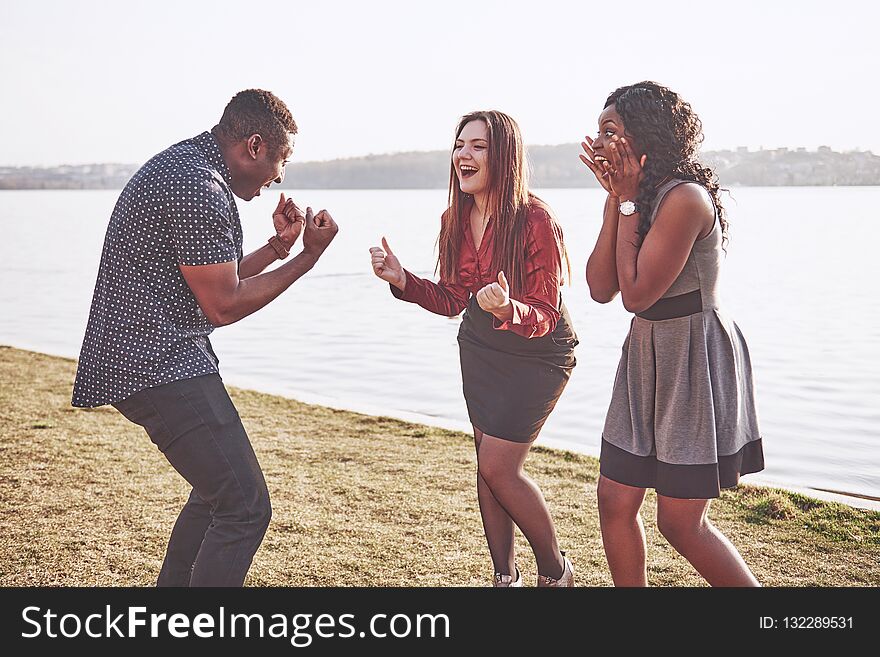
pixel 682 418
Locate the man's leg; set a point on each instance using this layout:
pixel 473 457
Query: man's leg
pixel 195 425
pixel 185 542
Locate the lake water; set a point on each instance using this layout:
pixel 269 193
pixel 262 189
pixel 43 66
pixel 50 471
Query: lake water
pixel 800 280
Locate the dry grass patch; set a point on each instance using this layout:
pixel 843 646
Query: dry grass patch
pixel 85 499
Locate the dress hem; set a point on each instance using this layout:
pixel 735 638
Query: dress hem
pixel 703 481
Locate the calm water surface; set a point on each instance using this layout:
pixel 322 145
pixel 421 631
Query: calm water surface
pixel 800 280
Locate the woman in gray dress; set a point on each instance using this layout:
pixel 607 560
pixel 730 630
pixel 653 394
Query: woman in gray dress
pixel 682 418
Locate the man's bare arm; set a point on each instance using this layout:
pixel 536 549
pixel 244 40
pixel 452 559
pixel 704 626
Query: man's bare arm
pixel 225 297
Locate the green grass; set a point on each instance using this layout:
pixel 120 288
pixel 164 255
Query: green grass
pixel 85 499
pixel 834 522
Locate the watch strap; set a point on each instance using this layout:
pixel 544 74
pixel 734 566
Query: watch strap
pixel 280 250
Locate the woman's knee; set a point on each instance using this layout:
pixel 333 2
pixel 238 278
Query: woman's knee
pixel 496 471
pixel 500 460
pixel 680 525
pixel 617 501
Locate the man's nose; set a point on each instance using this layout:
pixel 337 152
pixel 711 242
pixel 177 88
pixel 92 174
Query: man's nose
pixel 280 178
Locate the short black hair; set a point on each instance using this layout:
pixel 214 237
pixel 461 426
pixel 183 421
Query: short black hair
pixel 256 111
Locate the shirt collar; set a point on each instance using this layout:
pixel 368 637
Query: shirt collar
pixel 207 143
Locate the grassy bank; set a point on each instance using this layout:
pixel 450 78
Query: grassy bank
pixel 85 499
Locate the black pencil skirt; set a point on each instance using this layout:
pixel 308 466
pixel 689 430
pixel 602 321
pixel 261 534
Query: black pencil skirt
pixel 511 383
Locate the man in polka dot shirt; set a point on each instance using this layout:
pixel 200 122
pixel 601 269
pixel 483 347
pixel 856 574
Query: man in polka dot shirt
pixel 171 270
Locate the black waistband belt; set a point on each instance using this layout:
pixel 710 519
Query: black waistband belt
pixel 681 305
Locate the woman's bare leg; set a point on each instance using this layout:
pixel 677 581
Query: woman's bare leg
pixel 623 533
pixel 686 526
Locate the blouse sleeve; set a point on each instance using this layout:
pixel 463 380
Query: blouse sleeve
pixel 536 311
pixel 443 298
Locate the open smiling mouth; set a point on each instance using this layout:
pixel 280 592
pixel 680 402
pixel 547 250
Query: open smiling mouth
pixel 467 171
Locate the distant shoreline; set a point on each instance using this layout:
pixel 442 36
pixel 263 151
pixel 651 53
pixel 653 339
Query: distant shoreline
pixel 553 167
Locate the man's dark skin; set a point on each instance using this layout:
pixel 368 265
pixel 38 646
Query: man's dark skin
pixel 228 291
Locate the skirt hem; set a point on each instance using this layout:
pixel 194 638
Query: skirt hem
pixel 703 481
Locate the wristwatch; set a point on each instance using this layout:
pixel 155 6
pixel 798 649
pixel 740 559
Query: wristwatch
pixel 627 208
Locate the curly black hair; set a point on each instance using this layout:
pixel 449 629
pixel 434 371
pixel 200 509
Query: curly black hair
pixel 256 111
pixel 669 132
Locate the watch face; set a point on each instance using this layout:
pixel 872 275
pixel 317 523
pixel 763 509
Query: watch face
pixel 627 208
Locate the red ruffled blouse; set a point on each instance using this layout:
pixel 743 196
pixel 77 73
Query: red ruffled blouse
pixel 535 311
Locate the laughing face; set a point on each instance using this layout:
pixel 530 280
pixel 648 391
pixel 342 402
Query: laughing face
pixel 611 125
pixel 470 157
pixel 258 167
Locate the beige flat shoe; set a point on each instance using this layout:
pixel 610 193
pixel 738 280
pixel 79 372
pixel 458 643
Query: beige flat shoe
pixel 504 581
pixel 565 581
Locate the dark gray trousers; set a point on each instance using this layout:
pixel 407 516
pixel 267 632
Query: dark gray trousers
pixel 195 425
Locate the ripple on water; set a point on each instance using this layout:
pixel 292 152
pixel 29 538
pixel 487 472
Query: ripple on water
pixel 805 300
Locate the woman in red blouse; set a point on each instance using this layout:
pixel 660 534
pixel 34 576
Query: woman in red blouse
pixel 501 261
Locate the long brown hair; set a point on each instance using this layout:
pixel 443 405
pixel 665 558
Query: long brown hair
pixel 508 203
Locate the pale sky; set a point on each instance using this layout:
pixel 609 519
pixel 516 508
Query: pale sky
pixel 117 81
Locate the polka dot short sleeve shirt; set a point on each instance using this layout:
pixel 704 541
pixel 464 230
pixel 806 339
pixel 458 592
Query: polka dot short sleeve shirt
pixel 145 327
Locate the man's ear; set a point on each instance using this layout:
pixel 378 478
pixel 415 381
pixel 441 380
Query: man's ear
pixel 254 144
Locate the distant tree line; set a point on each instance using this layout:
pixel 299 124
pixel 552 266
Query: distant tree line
pixel 551 166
